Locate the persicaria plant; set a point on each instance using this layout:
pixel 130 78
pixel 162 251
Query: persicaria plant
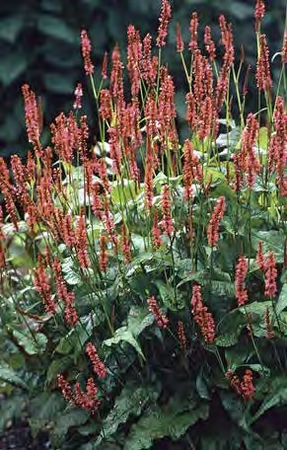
pixel 143 278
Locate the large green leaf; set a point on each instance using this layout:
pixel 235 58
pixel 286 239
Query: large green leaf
pixel 172 421
pixel 70 419
pixel 282 300
pixel 277 395
pixel 32 343
pixel 11 408
pixel 56 27
pixel 12 66
pixel 123 334
pixel 139 319
pixel 131 401
pixel 229 329
pixel 10 376
pixel 10 27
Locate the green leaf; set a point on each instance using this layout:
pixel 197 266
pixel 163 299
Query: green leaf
pixel 123 334
pixel 57 366
pixel 9 375
pixel 167 294
pixel 229 329
pixel 12 66
pixel 172 421
pixel 277 395
pixel 10 27
pixel 122 193
pixel 11 408
pixel 131 401
pixel 32 344
pixel 68 420
pixel 138 320
pixel 282 300
pixel 56 28
pixel 46 406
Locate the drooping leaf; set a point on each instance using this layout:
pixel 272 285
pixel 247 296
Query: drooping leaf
pixel 12 66
pixel 139 319
pixel 11 408
pixel 229 329
pixel 32 343
pixel 277 395
pixel 123 334
pixel 172 421
pixel 282 300
pixel 57 28
pixel 131 401
pixel 72 418
pixel 58 365
pixel 10 27
pixel 10 376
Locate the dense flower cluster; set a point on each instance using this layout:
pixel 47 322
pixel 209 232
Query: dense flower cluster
pixel 98 366
pixel 202 316
pixel 240 275
pixel 245 388
pixel 85 400
pixel 138 213
pixel 161 319
pixel 213 225
pixel 164 20
pixel 86 52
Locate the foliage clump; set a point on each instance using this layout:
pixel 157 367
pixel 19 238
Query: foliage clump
pixel 143 294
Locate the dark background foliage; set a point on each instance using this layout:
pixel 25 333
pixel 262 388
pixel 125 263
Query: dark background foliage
pixel 40 45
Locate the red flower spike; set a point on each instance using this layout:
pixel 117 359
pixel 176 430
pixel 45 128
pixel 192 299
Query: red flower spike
pixel 105 109
pixel 260 260
pixel 98 366
pixel 270 275
pixel 33 119
pixel 103 254
pixel 164 19
pixel 213 225
pixel 193 26
pixel 166 223
pixel 259 13
pixel 240 275
pixel 209 44
pixel 86 52
pixel 82 243
pixel 65 388
pixel 148 65
pixel 87 400
pixel 156 238
pixel 179 40
pixel 202 316
pixel 263 75
pixel 134 56
pixel 43 286
pixel 105 66
pixel 125 244
pixel 78 97
pixel 246 386
pixel 161 319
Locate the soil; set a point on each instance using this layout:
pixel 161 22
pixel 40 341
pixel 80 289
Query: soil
pixel 19 437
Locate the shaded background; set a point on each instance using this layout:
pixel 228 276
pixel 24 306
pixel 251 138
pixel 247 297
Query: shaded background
pixel 40 45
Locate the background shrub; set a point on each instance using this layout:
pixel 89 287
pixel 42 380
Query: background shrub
pixel 39 44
